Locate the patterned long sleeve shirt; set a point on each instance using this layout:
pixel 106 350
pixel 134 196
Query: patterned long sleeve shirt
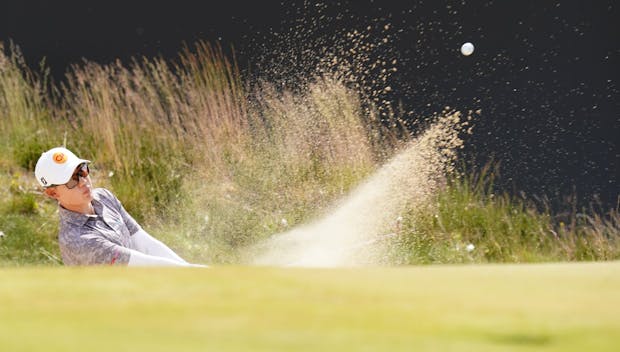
pixel 104 238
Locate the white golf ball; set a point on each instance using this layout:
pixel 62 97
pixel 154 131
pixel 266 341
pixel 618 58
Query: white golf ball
pixel 467 49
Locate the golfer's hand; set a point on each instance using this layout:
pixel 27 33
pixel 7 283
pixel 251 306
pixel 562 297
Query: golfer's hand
pixel 197 265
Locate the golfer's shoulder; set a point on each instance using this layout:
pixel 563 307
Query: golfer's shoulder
pixel 104 195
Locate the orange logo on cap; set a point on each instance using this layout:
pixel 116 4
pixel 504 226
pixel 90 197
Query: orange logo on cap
pixel 59 158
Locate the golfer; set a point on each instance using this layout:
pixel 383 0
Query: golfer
pixel 95 229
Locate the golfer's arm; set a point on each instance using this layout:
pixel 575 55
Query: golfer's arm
pixel 145 243
pixel 140 259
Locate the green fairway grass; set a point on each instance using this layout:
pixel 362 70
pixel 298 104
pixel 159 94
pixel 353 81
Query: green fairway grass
pixel 547 307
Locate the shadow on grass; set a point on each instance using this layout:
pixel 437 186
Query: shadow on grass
pixel 521 339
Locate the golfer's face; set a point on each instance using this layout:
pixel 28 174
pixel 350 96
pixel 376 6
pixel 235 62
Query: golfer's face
pixel 78 190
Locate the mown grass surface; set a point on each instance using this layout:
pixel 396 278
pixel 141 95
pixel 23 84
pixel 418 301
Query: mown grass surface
pixel 543 307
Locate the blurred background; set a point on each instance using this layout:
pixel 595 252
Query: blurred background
pixel 544 75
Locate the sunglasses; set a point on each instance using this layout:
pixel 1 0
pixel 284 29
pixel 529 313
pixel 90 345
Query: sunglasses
pixel 82 172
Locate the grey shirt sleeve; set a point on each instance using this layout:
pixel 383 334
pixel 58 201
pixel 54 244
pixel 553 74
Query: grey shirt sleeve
pixel 130 222
pixel 93 249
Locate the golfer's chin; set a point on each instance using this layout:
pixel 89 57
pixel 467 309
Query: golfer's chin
pixel 88 194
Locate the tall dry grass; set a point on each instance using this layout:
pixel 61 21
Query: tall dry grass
pixel 154 122
pixel 181 141
pixel 211 164
pixel 470 222
pixel 26 120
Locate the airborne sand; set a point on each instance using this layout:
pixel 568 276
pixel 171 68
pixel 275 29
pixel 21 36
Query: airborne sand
pixel 351 233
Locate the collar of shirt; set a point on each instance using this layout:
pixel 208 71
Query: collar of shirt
pixel 79 219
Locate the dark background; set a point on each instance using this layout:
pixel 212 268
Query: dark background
pixel 544 73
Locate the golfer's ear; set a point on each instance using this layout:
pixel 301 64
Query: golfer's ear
pixel 51 192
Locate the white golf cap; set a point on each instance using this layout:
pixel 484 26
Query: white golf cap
pixel 56 166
